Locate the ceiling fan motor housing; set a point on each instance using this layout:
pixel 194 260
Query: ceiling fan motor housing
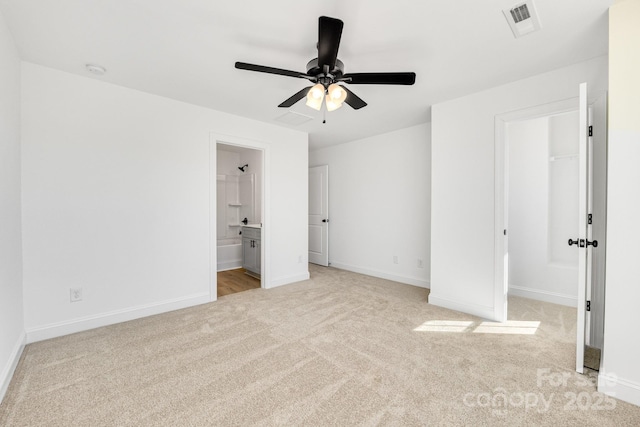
pixel 326 78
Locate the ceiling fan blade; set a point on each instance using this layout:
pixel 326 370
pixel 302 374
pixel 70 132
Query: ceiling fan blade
pixel 270 70
pixel 295 98
pixel 353 100
pixel 329 34
pixel 379 78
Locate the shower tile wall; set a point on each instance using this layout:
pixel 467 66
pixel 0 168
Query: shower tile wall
pixel 237 188
pixel 227 193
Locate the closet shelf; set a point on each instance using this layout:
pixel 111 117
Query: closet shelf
pixel 234 225
pixel 235 205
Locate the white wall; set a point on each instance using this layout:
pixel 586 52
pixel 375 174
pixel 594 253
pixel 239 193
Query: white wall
pixel 463 188
pixel 379 204
pixel 116 201
pixel 543 201
pixel 11 317
pixel 620 375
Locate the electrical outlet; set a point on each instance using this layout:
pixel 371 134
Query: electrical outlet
pixel 420 263
pixel 75 294
pixel 299 259
pixel 395 259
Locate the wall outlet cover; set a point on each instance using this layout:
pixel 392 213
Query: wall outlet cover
pixel 75 294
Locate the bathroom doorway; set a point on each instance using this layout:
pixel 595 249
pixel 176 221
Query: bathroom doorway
pixel 239 190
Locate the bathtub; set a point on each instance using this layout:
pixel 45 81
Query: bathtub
pixel 229 254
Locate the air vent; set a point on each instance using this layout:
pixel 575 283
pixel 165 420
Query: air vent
pixel 522 18
pixel 520 13
pixel 294 119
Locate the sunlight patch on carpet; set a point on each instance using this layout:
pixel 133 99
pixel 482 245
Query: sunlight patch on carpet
pixel 510 327
pixel 513 327
pixel 444 326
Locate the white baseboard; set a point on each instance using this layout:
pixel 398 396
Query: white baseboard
pixel 622 389
pixel 383 275
pixel 273 283
pixel 473 309
pixel 72 326
pixel 540 295
pixel 12 363
pixel 229 265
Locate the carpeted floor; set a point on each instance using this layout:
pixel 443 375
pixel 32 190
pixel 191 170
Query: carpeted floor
pixel 339 349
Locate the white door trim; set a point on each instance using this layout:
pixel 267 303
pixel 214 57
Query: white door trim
pixel 321 219
pixel 214 140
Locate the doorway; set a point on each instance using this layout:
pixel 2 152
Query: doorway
pixel 319 215
pixel 539 183
pixel 238 224
pixel 542 201
pixel 238 215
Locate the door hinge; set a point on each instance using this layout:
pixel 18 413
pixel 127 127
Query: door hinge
pixel 590 219
pixel 590 130
pixel 588 305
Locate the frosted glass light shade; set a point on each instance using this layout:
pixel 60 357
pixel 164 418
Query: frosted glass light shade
pixel 332 105
pixel 337 93
pixel 314 97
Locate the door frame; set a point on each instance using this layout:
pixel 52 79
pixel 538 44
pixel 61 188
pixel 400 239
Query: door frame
pixel 594 100
pixel 214 140
pixel 325 225
pixel 501 278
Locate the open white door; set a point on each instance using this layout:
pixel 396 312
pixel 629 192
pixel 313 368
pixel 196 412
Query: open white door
pixel 597 228
pixel 319 215
pixel 583 242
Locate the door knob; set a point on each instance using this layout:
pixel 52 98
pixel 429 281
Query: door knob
pixel 581 243
pixel 325 220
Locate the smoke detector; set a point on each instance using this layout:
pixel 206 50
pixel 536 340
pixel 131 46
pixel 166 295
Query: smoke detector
pixel 522 18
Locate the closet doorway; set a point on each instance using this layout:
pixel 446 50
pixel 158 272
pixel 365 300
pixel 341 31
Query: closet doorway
pixel 538 187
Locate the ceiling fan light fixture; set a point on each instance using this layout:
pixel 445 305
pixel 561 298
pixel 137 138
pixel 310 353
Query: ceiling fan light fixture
pixel 314 97
pixel 332 104
pixel 337 93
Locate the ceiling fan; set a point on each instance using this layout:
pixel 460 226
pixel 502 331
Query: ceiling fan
pixel 327 71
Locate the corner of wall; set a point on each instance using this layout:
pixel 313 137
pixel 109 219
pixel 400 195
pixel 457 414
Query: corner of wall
pixel 12 335
pixel 12 363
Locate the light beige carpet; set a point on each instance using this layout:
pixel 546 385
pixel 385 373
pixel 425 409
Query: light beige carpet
pixel 339 349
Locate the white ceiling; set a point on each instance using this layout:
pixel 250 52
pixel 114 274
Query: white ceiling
pixel 186 50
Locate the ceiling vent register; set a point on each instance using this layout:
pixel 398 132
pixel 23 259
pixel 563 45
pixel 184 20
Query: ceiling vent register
pixel 520 13
pixel 522 18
